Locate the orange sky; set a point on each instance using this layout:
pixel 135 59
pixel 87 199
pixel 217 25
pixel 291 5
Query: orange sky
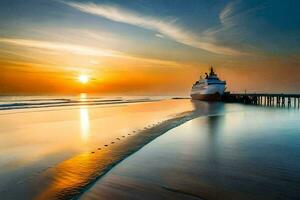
pixel 134 80
pixel 131 52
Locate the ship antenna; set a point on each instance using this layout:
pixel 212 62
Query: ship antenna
pixel 212 70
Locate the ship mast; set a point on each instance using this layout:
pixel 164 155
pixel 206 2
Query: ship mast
pixel 212 71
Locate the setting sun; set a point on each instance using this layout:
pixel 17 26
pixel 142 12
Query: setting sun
pixel 83 79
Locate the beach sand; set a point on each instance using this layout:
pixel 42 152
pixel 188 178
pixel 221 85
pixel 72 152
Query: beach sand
pixel 167 149
pixel 241 152
pixel 45 151
pixel 72 177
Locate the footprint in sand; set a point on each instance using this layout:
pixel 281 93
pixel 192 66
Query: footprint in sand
pixel 128 133
pixel 93 152
pixel 106 145
pixel 99 148
pixel 123 136
pixel 118 138
pixel 112 142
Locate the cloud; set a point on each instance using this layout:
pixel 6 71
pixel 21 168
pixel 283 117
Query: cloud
pixel 56 46
pixel 236 10
pixel 165 28
pixel 227 14
pixel 159 35
pixel 234 26
pixel 83 50
pixel 228 21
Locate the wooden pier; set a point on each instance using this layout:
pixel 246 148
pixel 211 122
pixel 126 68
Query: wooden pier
pixel 265 99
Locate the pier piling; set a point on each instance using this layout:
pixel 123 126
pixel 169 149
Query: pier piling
pixel 279 100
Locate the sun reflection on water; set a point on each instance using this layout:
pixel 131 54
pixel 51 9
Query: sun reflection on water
pixel 84 123
pixel 84 119
pixel 83 97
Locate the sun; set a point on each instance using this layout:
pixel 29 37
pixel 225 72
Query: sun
pixel 83 79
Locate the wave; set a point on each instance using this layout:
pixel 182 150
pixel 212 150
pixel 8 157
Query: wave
pixel 11 104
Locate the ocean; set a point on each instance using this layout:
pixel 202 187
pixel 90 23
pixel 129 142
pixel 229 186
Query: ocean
pixel 146 148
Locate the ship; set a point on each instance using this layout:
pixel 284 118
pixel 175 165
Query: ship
pixel 210 88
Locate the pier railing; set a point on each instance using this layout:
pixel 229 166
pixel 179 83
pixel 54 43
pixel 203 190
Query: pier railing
pixel 266 99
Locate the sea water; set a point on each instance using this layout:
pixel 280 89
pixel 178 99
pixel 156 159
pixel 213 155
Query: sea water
pixel 39 134
pixel 229 151
pixel 239 152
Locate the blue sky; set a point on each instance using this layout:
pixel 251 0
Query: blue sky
pixel 270 26
pixel 172 32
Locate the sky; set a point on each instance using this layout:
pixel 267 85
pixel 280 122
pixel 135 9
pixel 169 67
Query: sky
pixel 148 47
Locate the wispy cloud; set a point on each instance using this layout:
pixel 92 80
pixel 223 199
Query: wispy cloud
pixel 233 25
pixel 56 46
pixel 235 10
pixel 166 28
pixel 83 50
pixel 159 35
pixel 225 15
pixel 227 20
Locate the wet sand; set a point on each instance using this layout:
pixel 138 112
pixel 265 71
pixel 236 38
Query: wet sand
pixel 240 152
pixel 45 151
pixel 70 178
pixel 150 150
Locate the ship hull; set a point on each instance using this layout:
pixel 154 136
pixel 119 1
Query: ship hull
pixel 208 93
pixel 206 97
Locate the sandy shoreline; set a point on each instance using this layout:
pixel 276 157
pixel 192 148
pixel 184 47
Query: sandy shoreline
pixel 91 166
pixel 54 150
pixel 158 150
pixel 238 153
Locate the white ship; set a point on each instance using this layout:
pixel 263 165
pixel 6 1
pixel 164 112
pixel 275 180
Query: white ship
pixel 210 88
